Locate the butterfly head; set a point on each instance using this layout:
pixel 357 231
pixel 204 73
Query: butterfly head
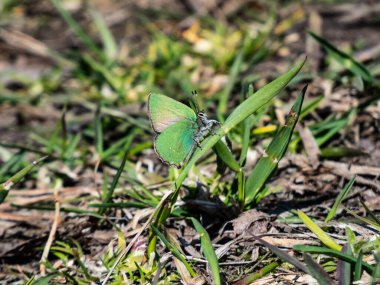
pixel 202 117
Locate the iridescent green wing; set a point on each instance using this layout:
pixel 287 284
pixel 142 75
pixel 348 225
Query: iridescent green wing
pixel 175 143
pixel 165 111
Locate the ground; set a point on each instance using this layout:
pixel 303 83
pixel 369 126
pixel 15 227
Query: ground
pixel 74 82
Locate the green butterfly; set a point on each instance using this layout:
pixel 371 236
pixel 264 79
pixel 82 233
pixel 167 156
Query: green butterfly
pixel 179 130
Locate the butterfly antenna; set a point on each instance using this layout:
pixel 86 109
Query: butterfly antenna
pixel 195 96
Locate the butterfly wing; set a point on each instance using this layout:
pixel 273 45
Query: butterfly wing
pixel 175 143
pixel 165 111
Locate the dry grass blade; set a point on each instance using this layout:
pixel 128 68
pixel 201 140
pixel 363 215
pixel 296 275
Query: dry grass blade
pixel 53 230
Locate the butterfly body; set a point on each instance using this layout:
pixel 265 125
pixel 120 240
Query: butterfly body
pixel 205 127
pixel 179 130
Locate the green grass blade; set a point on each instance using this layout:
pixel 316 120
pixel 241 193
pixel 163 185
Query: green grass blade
pixel 7 185
pixel 283 255
pixel 63 134
pixel 76 28
pixel 364 220
pixel 114 183
pixel 358 267
pixel 46 280
pixel 113 81
pixel 72 146
pixel 376 273
pixel 223 97
pixel 341 151
pixel 109 43
pixel 344 59
pixel 226 156
pixel 342 195
pixel 344 268
pixel 259 274
pixel 275 151
pixel 249 106
pixel 247 125
pixel 310 106
pixel 163 210
pixel 129 204
pixel 98 131
pixel 174 251
pixel 369 212
pixel 335 127
pixel 317 271
pixel 334 253
pixel 208 251
pixel 323 237
pixel 241 188
pixel 11 165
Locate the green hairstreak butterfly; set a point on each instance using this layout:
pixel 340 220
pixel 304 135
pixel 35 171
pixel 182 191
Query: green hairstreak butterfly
pixel 179 130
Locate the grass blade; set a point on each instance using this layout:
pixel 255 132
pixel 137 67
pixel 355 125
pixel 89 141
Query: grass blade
pixel 98 131
pixel 7 185
pixel 323 237
pixel 223 97
pixel 342 195
pixel 283 255
pixel 335 253
pixel 344 59
pixel 46 280
pixel 310 106
pixel 241 188
pixel 344 268
pixel 335 152
pixel 275 151
pixel 376 273
pixel 109 43
pixel 226 156
pixel 174 251
pixel 76 28
pixel 247 126
pixel 364 220
pixel 114 184
pixel 208 251
pixel 358 267
pixel 369 212
pixel 335 128
pixel 257 275
pixel 317 271
pixel 113 81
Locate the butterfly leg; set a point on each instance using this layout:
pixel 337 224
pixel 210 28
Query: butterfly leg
pixel 190 153
pixel 214 125
pixel 197 141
